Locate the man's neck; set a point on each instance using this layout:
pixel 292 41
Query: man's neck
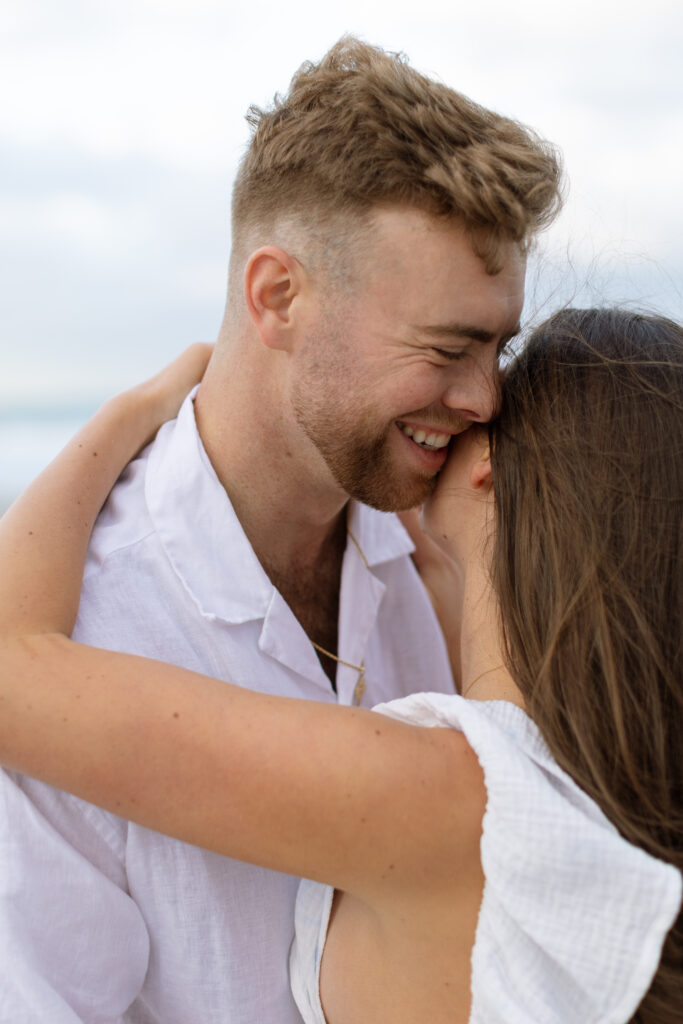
pixel 312 591
pixel 292 514
pixel 290 526
pixel 280 488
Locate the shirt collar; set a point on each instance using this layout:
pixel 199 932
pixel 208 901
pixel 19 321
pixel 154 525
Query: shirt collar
pixel 204 540
pixel 379 535
pixel 197 526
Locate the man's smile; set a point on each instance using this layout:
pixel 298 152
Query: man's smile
pixel 425 437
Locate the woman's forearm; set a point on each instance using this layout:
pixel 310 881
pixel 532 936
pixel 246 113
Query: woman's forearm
pixel 44 535
pixel 298 786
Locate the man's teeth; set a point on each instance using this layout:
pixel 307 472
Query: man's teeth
pixel 424 439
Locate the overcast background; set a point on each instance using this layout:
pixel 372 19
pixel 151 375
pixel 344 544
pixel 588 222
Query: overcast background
pixel 122 121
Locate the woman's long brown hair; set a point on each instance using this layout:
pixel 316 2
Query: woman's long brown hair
pixel 588 565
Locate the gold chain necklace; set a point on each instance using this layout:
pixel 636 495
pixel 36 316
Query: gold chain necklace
pixel 360 687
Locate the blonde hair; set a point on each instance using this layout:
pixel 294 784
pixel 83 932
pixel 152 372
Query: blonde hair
pixel 362 129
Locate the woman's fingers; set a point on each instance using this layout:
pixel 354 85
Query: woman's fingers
pixel 168 388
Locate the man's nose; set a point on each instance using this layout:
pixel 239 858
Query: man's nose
pixel 476 398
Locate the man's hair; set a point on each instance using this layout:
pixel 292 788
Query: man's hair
pixel 588 568
pixel 362 129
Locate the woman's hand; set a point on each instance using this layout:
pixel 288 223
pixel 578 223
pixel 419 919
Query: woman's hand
pixel 163 394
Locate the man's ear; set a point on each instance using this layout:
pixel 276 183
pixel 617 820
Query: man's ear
pixel 272 282
pixel 481 475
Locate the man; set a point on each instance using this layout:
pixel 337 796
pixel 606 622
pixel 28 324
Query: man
pixel 380 224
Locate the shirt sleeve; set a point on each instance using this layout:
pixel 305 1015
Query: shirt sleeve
pixel 73 944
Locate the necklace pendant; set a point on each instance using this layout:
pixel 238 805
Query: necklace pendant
pixel 359 689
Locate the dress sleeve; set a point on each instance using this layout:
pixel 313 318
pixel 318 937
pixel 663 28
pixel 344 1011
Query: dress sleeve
pixel 573 916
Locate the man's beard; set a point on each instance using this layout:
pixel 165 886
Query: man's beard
pixel 357 454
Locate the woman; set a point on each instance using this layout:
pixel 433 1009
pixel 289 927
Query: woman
pixel 521 863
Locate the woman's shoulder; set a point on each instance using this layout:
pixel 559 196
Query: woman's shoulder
pixel 573 916
pixel 510 749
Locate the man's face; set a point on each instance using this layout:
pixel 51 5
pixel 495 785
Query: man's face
pixel 407 358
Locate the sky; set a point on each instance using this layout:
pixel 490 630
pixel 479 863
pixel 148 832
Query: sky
pixel 122 123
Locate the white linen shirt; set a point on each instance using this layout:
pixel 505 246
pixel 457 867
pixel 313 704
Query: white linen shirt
pixel 104 921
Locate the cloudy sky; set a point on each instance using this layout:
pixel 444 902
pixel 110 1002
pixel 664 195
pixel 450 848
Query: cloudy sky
pixel 122 122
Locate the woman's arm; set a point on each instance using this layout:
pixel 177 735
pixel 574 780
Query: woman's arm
pixel 44 535
pixel 338 794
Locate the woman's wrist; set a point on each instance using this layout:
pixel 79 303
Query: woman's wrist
pixel 133 418
pixel 158 399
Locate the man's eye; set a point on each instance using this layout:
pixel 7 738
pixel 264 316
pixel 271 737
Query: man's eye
pixel 449 353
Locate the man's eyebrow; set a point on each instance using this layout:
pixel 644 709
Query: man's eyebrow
pixel 470 331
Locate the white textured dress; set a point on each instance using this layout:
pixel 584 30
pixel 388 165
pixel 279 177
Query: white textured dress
pixel 573 917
